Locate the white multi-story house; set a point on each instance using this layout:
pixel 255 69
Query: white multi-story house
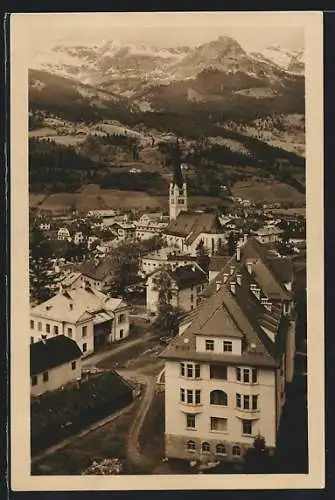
pixel 226 373
pixel 125 231
pixel 98 273
pixel 187 284
pixel 85 315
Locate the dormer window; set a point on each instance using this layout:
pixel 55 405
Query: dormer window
pixel 227 346
pixel 209 345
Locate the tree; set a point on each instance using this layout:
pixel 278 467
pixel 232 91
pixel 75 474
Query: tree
pixel 42 275
pixel 202 256
pixel 257 459
pixel 42 279
pixel 232 242
pixel 168 315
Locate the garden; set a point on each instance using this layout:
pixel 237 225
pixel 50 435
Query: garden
pixel 60 414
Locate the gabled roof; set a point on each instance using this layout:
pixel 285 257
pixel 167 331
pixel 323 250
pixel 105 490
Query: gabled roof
pixel 268 269
pixel 187 276
pixel 238 314
pixel 184 276
pixel 97 272
pixel 190 225
pixel 71 305
pixel 53 352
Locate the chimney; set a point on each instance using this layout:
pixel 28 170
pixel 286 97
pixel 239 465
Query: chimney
pixel 239 279
pixel 225 278
pixel 218 285
pixel 249 267
pixel 233 287
pixel 43 338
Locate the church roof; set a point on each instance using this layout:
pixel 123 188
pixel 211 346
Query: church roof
pixel 190 224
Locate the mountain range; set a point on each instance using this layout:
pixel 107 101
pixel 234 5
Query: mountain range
pixel 145 74
pixel 249 106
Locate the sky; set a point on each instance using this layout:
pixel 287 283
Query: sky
pixel 253 31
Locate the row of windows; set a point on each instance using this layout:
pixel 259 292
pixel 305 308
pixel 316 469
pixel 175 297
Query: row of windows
pixel 190 397
pixel 193 370
pixel 220 449
pixel 218 397
pixel 219 424
pixel 227 345
pixel 55 329
pixel 46 377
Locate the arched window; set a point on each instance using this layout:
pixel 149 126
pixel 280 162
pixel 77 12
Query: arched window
pixel 219 398
pixel 236 451
pixel 190 445
pixel 220 449
pixel 205 447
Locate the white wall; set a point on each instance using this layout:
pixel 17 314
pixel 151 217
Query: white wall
pixel 175 411
pixel 120 326
pixel 63 329
pixel 61 375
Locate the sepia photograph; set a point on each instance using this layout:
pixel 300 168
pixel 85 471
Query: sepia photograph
pixel 167 230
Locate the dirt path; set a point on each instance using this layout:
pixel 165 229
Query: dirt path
pixel 134 452
pixel 94 359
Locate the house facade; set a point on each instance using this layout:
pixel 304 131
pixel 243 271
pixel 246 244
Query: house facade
pixel 98 273
pixel 227 372
pixel 85 315
pixel 54 362
pixel 269 234
pixel 163 257
pixel 187 284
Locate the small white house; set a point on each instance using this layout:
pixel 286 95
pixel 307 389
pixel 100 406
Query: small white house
pixel 54 362
pixel 63 234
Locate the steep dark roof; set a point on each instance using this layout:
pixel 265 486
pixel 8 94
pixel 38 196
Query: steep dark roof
pixel 187 276
pixel 97 272
pixel 237 315
pixel 53 352
pixel 268 269
pixel 190 224
pixel 177 179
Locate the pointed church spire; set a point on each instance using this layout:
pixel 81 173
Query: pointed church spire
pixel 177 173
pixel 178 179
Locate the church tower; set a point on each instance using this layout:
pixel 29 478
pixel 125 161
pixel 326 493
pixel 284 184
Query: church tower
pixel 177 194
